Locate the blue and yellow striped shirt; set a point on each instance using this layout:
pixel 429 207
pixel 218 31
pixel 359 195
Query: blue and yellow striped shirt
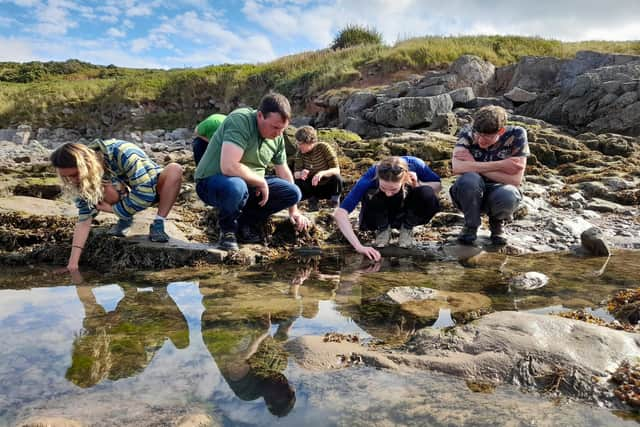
pixel 126 164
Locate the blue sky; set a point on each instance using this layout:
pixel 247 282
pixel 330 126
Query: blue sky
pixel 194 33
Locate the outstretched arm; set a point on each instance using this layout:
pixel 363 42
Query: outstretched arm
pixel 342 219
pixel 80 235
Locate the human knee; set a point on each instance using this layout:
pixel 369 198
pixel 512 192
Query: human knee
pixel 504 201
pixel 470 181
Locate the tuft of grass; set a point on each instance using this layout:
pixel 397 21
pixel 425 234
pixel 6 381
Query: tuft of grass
pixel 356 35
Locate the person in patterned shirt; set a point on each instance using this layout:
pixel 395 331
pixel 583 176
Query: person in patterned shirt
pixel 490 158
pixel 317 172
pixel 118 177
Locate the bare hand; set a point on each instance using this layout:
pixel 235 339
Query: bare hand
pixel 316 179
pixel 374 267
pixel 414 179
pixel 512 165
pixel 464 155
pixel 300 221
pixel 304 174
pixel 104 207
pixel 370 252
pixel 263 190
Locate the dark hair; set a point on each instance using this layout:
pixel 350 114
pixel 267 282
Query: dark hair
pixel 392 169
pixel 274 102
pixel 278 395
pixel 489 119
pixel 306 135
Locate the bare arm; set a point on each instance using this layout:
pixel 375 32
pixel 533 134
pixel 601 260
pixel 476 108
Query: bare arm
pixel 324 174
pixel 342 219
pixel 507 171
pixel 300 221
pixel 230 165
pixel 80 235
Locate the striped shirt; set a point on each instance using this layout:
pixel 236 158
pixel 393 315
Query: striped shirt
pixel 127 165
pixel 320 158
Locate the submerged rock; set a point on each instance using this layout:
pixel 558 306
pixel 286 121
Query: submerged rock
pixel 529 281
pixel 593 242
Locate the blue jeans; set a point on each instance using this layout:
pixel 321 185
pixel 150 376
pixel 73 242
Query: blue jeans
pixel 237 203
pixel 473 195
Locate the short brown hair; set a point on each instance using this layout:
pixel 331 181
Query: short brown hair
pixel 274 102
pixel 306 135
pixel 489 119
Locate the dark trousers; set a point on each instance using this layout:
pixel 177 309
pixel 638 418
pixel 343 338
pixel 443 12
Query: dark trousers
pixel 199 146
pixel 326 188
pixel 472 195
pixel 238 204
pixel 408 208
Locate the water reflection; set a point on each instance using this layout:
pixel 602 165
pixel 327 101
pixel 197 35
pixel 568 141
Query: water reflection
pixel 217 343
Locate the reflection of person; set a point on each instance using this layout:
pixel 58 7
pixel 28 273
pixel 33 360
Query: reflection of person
pixel 490 158
pixel 316 169
pixel 115 176
pixel 399 192
pixel 203 134
pixel 231 174
pixel 252 363
pixel 121 343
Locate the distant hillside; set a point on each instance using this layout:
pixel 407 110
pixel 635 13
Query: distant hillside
pixel 97 99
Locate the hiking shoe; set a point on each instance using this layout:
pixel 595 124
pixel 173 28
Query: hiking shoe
pixel 121 228
pixel 156 232
pixel 228 241
pixel 498 237
pixel 468 235
pixel 334 201
pixel 312 205
pixel 382 238
pixel 249 234
pixel 406 240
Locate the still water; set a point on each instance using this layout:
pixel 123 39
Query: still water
pixel 151 347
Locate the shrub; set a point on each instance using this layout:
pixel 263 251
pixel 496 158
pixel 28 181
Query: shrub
pixel 354 35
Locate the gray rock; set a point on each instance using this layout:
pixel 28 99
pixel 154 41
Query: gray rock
pixel 354 105
pixel 410 111
pixel 462 96
pixel 519 95
pixel 529 281
pixel 427 91
pixel 473 71
pixel 592 241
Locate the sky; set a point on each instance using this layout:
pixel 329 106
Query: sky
pixel 195 33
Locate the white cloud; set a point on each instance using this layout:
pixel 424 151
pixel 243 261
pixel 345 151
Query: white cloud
pixel 16 50
pixel 114 32
pixel 140 10
pixel 7 22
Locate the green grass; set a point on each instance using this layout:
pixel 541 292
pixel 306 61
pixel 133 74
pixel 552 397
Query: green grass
pixel 78 95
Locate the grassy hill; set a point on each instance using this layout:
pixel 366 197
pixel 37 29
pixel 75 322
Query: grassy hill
pixel 76 94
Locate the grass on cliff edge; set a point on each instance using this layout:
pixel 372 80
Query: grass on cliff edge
pixel 95 96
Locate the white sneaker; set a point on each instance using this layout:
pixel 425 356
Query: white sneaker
pixel 382 238
pixel 406 240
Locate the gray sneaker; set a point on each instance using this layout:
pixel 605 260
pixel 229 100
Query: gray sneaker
pixel 382 238
pixel 156 232
pixel 406 239
pixel 121 228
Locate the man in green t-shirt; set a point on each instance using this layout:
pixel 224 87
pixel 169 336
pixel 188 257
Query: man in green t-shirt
pixel 204 132
pixel 231 173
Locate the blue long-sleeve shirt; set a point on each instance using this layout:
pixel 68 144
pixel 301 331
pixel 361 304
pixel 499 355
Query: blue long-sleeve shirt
pixel 369 181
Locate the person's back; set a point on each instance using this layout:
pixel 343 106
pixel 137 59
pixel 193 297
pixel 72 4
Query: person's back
pixel 203 133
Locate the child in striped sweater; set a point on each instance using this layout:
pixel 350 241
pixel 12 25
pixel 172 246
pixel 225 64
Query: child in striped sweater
pixel 316 169
pixel 118 177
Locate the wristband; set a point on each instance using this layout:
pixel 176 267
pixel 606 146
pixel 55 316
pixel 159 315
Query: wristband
pixel 77 246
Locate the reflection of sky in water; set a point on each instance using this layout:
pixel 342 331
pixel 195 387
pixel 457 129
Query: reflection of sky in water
pixel 108 296
pixel 37 328
pixel 328 319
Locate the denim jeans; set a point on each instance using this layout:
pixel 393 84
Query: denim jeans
pixel 409 207
pixel 473 195
pixel 199 146
pixel 237 203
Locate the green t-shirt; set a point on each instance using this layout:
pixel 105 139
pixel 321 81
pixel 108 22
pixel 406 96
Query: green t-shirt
pixel 208 126
pixel 241 128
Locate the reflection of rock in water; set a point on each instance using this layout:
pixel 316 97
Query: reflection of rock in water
pixel 121 343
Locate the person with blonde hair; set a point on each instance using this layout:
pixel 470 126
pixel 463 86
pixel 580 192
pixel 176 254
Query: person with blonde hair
pixel 398 192
pixel 118 177
pixel 490 158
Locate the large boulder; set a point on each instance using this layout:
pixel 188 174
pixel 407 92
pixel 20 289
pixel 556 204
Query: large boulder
pixel 353 106
pixel 474 72
pixel 410 111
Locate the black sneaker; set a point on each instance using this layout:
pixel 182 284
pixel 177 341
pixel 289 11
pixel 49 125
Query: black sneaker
pixel 249 234
pixel 334 201
pixel 468 235
pixel 497 232
pixel 228 241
